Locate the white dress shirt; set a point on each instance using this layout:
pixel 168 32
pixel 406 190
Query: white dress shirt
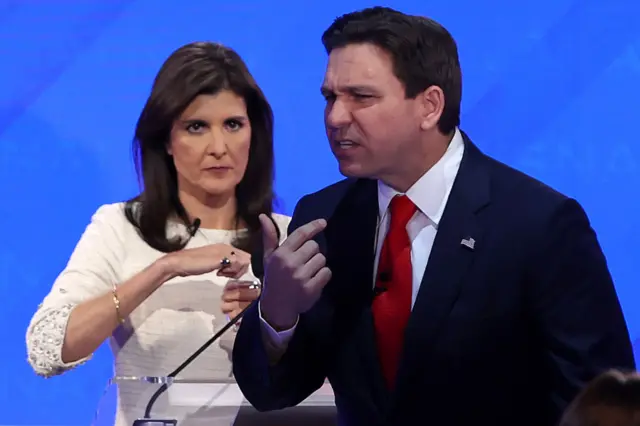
pixel 430 194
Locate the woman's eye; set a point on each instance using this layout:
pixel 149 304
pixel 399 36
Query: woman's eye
pixel 195 127
pixel 233 125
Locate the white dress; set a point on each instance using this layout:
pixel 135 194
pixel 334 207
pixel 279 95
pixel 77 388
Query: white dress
pixel 160 334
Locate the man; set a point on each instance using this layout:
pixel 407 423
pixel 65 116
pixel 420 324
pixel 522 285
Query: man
pixel 435 284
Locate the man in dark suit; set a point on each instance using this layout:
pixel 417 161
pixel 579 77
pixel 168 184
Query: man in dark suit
pixel 435 285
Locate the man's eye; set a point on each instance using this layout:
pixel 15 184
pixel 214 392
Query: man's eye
pixel 360 96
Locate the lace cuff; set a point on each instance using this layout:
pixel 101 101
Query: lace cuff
pixel 44 342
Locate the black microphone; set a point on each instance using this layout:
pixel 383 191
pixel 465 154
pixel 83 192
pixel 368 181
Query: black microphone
pixel 258 271
pixel 193 228
pixel 383 278
pixel 377 291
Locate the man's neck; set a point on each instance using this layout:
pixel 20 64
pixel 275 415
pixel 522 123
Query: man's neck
pixel 418 163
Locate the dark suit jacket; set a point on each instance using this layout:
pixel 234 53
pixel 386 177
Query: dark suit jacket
pixel 505 333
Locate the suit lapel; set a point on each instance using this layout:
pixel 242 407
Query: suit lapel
pixel 459 236
pixel 350 239
pixel 350 236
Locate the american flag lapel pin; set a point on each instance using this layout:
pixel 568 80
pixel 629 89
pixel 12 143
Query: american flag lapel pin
pixel 468 242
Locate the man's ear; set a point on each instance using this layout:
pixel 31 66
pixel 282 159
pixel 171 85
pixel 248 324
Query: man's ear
pixel 432 105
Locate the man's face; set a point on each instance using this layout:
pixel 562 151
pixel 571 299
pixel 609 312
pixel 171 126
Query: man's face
pixel 370 124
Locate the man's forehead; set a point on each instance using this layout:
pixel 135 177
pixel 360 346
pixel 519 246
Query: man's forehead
pixel 357 65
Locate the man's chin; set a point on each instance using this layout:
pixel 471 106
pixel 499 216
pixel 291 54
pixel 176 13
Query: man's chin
pixel 352 170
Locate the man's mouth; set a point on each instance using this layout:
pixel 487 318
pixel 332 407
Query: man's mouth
pixel 345 144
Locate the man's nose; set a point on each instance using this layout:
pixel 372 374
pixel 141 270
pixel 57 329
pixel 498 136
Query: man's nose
pixel 337 114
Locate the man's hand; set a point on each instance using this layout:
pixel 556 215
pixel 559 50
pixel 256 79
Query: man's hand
pixel 295 273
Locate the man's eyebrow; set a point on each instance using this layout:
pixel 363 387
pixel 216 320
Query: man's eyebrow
pixel 349 89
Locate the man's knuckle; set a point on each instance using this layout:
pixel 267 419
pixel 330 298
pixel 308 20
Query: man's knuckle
pixel 289 265
pixel 305 233
pixel 298 276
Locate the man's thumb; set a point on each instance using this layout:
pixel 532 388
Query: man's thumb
pixel 269 234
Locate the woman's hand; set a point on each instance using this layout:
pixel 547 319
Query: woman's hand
pixel 237 295
pixel 227 260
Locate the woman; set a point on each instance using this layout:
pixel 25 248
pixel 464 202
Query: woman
pixel 150 274
pixel 611 399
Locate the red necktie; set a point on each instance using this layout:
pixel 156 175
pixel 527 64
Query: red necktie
pixel 392 307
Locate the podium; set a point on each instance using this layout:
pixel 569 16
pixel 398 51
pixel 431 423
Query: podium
pixel 200 402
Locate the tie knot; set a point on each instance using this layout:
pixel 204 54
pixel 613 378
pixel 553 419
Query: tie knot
pixel 402 210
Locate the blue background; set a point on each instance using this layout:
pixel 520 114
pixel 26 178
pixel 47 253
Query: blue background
pixel 551 87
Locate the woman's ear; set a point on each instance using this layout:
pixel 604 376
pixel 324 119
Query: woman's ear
pixel 168 147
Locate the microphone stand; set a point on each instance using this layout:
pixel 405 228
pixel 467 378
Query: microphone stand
pixel 258 268
pixel 163 388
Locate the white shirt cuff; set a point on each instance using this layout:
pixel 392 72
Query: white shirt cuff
pixel 278 339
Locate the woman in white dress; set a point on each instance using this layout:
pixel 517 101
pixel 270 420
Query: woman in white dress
pixel 159 274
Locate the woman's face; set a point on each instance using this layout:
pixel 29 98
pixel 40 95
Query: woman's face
pixel 210 145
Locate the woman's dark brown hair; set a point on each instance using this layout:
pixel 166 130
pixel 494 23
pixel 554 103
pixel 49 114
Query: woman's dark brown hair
pixel 192 70
pixel 611 399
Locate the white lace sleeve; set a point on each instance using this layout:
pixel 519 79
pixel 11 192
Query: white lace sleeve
pixel 92 270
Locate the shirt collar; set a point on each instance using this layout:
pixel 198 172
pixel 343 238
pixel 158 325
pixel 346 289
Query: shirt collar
pixel 431 191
